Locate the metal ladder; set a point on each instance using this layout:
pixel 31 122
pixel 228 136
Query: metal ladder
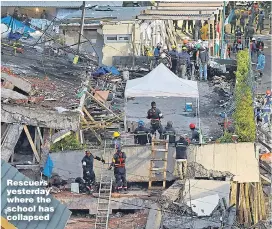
pixel 104 198
pixel 155 159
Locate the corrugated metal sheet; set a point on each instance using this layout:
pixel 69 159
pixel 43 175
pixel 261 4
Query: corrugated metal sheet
pixel 57 219
pixel 59 4
pixel 118 13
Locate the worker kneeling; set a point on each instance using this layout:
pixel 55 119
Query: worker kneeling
pixel 142 134
pixel 181 157
pixel 118 161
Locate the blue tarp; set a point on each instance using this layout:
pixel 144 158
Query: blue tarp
pixel 106 69
pixel 48 168
pixel 17 26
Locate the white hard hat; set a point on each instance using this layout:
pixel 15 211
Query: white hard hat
pixel 199 41
pixel 163 55
pixel 253 39
pixel 165 47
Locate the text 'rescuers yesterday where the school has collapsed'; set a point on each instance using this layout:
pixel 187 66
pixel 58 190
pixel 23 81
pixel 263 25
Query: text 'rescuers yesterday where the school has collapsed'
pixel 27 201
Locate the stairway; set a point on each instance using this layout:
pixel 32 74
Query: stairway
pixel 9 140
pixel 159 154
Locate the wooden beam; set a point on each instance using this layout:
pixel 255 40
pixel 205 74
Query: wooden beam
pixel 35 143
pixel 103 105
pixel 94 132
pixel 87 113
pixel 40 135
pixel 31 143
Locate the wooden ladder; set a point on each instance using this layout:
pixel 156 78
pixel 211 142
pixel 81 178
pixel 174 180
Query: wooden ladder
pixel 159 154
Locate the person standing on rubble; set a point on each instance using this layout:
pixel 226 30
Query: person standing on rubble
pixel 202 61
pixel 87 165
pixel 155 115
pixel 118 162
pixel 181 156
pixel 142 134
pixel 174 58
pixel 183 62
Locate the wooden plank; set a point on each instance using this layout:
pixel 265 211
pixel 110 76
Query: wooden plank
pixel 40 134
pixel 93 131
pixel 233 193
pixel 102 96
pixel 87 113
pixel 263 207
pixel 31 143
pixel 247 203
pixel 103 105
pixel 35 143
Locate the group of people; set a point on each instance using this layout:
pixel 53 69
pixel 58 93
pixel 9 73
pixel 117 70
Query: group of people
pixel 194 56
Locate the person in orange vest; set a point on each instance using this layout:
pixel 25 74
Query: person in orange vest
pixel 118 162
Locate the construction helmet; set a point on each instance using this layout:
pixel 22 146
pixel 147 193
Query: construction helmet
pixel 165 47
pixel 253 39
pixel 116 134
pixel 184 48
pixel 174 47
pixel 192 126
pixel 185 41
pixel 141 123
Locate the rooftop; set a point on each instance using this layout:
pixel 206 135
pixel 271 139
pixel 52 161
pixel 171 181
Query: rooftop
pixel 115 13
pixel 59 4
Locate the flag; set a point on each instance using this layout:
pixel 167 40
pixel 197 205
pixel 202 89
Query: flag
pixel 229 18
pixel 48 168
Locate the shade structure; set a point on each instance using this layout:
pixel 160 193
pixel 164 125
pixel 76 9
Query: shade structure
pixel 161 82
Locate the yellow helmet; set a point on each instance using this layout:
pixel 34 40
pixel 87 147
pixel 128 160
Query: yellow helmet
pixel 116 134
pixel 173 47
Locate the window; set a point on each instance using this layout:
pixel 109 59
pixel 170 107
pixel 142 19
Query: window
pixel 117 38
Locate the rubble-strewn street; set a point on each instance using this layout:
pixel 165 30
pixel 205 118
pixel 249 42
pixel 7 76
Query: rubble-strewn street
pixel 136 115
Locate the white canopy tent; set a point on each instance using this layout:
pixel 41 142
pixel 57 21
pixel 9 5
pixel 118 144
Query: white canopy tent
pixel 161 82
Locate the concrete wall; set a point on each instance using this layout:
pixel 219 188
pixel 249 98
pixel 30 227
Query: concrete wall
pixel 239 159
pixel 119 49
pixel 68 164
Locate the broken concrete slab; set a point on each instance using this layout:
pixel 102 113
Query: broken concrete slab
pixel 10 94
pixel 39 117
pixel 9 142
pixel 17 81
pixel 173 193
pixel 236 158
pixel 154 217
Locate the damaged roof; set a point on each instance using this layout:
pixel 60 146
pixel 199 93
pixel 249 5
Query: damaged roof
pixel 115 13
pixel 59 4
pixel 57 220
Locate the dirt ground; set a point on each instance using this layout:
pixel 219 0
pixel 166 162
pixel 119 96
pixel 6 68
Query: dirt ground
pixel 118 221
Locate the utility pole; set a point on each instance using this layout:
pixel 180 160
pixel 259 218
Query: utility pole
pixel 81 25
pixel 223 32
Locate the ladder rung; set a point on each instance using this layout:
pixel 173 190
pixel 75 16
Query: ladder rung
pixel 156 179
pixel 157 169
pixel 104 182
pixel 104 197
pixel 157 159
pixel 105 189
pixel 102 209
pixel 101 216
pixel 160 150
pixel 101 223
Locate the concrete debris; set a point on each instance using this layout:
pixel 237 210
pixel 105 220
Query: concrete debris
pixel 10 94
pixel 197 170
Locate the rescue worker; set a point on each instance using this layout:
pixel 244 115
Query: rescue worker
pixel 169 131
pixel 174 58
pixel 253 48
pixel 181 156
pixel 233 23
pixel 198 26
pixel 202 61
pixel 246 35
pixel 195 133
pixel 204 31
pixel 87 165
pixel 259 45
pixel 243 20
pixel 157 53
pixel 116 139
pixel 239 45
pixel 261 63
pixel 166 58
pixel 142 134
pixel 118 162
pixel 260 25
pixel 238 33
pixel 183 62
pixel 155 115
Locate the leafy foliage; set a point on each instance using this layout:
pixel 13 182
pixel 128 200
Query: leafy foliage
pixel 68 143
pixel 226 138
pixel 243 116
